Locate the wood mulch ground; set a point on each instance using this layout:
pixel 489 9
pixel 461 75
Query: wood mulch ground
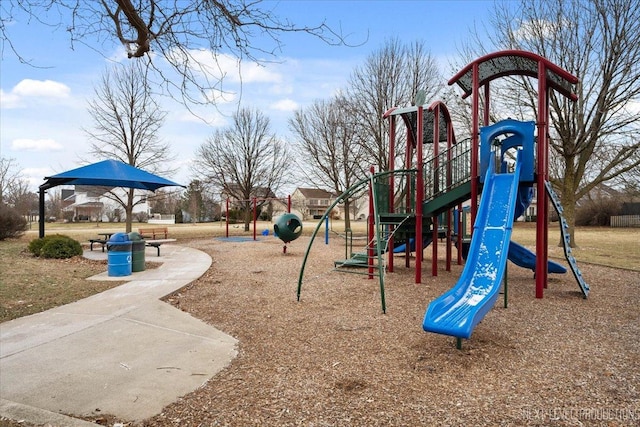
pixel 333 359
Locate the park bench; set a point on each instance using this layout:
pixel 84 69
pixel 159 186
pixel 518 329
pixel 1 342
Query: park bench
pixel 155 237
pixel 154 233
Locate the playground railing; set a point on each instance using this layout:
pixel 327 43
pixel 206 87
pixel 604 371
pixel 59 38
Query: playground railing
pixel 449 169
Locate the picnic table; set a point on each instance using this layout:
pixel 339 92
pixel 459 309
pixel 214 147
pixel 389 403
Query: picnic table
pixel 101 241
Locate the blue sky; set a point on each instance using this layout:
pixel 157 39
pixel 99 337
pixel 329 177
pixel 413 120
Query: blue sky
pixel 43 109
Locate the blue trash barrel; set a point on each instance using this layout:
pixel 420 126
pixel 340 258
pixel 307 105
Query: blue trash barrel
pixel 119 255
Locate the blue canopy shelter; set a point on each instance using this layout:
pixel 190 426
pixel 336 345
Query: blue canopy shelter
pixel 107 173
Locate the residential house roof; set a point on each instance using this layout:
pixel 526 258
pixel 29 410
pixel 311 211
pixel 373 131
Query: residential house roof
pixel 315 193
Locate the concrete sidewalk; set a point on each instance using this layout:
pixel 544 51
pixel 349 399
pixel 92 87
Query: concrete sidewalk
pixel 121 352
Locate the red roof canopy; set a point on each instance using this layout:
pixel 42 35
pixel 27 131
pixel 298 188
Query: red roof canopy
pixel 515 62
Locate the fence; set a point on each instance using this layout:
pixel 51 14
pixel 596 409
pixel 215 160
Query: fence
pixel 625 221
pixel 162 219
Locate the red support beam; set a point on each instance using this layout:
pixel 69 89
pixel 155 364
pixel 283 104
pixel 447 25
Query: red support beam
pixel 475 101
pixel 392 166
pixel 436 189
pixel 419 194
pixel 542 173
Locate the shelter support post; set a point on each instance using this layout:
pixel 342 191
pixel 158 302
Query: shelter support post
pixel 41 213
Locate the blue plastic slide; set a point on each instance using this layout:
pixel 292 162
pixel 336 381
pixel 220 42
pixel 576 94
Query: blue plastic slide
pixel 460 309
pixel 523 257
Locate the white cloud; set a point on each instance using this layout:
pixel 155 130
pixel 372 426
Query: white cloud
pixel 44 88
pixel 37 90
pixel 9 100
pixel 540 29
pixel 252 72
pixel 25 144
pixel 217 97
pixel 35 176
pixel 285 105
pixel 221 66
pixel 633 107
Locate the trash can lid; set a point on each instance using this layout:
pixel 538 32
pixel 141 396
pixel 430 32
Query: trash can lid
pixel 119 238
pixel 135 236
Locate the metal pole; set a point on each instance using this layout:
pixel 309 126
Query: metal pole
pixel 542 169
pixel 419 194
pixel 390 195
pixel 41 213
pixel 326 231
pixel 370 230
pixel 436 188
pixel 475 100
pixel 506 286
pixel 255 215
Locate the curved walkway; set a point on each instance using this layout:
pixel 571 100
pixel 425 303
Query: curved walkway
pixel 121 352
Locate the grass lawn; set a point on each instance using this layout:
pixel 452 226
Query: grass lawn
pixel 30 285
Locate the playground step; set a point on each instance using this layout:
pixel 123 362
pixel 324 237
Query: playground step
pixel 395 218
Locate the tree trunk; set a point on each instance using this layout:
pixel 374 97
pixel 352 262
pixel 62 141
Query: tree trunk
pixel 248 215
pixel 347 214
pixel 129 210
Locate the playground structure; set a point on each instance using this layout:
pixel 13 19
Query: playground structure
pixel 287 228
pixel 421 201
pixel 254 210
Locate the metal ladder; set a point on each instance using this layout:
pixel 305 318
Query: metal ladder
pixel 566 240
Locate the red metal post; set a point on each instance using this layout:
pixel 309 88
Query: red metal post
pixel 392 166
pixel 410 188
pixel 460 235
pixel 487 105
pixel 449 179
pixel 289 203
pixel 475 100
pixel 436 189
pixel 542 171
pixel 419 194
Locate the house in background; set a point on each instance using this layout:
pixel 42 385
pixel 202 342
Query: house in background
pixel 311 202
pixel 90 203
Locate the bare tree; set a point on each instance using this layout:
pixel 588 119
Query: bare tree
pixel 126 125
pixel 164 201
pixel 593 140
pixel 331 152
pixel 53 204
pixel 244 160
pixel 390 77
pixel 23 199
pixel 9 178
pixel 194 38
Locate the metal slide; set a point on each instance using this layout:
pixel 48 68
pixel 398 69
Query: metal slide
pixel 460 309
